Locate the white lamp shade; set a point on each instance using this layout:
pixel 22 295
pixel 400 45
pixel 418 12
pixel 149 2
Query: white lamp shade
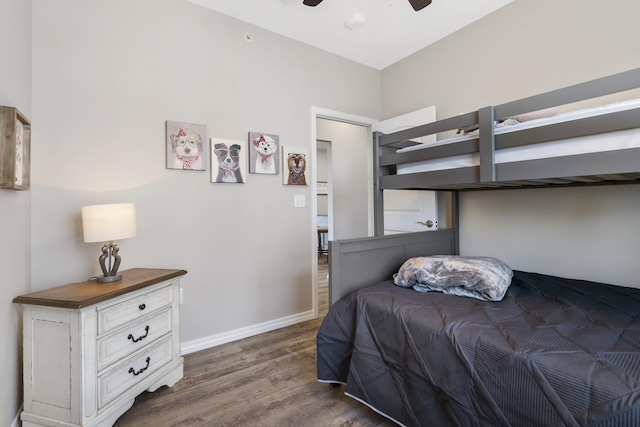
pixel 101 223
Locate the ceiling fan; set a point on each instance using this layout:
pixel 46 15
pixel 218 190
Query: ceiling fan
pixel 416 4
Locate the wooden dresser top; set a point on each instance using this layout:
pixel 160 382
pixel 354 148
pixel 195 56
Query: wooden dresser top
pixel 84 294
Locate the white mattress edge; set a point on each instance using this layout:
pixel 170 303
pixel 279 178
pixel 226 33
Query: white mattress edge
pixel 611 141
pixel 560 118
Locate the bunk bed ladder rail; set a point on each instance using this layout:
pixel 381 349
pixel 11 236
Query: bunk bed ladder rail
pixel 378 202
pixel 487 144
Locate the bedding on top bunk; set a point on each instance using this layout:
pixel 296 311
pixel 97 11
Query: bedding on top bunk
pixel 610 141
pixel 553 352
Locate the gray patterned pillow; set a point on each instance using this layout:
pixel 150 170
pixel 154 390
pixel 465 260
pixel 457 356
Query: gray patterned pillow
pixel 482 278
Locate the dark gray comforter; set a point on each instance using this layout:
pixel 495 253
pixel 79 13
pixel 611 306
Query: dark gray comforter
pixel 553 352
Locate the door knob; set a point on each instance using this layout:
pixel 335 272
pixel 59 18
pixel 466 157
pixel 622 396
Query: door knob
pixel 428 223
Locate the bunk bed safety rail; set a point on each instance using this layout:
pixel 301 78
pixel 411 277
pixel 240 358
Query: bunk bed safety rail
pixel 608 85
pixel 485 173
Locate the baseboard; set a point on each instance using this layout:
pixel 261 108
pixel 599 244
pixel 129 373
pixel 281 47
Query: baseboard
pixel 249 331
pixel 16 420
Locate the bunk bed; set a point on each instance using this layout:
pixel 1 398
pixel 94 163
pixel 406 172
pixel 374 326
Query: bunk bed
pixel 551 351
pixel 612 161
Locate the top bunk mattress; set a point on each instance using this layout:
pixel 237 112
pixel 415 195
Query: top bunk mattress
pixel 601 142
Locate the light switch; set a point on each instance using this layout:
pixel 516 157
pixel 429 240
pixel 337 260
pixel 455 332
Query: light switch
pixel 299 201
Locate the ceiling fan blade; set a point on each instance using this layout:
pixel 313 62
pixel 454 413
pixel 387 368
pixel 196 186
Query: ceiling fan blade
pixel 314 2
pixel 417 4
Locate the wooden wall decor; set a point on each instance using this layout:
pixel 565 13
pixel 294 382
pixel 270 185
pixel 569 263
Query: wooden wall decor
pixel 15 149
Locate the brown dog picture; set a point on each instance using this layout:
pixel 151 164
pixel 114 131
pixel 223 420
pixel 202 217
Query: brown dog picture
pixel 297 164
pixel 294 165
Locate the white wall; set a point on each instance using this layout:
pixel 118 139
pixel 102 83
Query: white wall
pixel 349 177
pixel 15 206
pixel 523 49
pixel 104 83
pixel 584 233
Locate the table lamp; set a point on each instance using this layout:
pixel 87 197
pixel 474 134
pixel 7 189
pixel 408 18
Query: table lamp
pixel 107 223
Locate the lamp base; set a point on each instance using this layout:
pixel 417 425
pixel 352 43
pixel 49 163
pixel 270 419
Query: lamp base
pixel 109 251
pixel 108 279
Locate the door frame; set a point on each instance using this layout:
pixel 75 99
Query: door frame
pixel 323 113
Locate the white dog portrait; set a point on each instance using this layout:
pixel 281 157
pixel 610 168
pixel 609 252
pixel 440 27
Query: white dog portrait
pixel 185 146
pixel 264 153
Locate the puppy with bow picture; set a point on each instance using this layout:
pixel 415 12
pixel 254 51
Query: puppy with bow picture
pixel 264 153
pixel 231 160
pixel 185 146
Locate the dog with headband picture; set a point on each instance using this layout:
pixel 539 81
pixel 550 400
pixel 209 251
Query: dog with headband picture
pixel 229 169
pixel 265 149
pixel 185 146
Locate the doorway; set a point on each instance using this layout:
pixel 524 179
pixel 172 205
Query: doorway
pixel 416 208
pixel 323 170
pixel 353 127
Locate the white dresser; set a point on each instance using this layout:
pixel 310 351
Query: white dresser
pixel 90 348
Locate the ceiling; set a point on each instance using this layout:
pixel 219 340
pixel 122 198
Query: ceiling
pixel 391 31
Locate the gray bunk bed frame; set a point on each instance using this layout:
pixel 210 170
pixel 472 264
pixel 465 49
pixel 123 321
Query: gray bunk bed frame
pixel 354 263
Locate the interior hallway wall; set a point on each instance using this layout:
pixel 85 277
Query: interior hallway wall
pixel 349 177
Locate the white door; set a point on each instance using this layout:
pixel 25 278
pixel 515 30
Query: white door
pixel 409 211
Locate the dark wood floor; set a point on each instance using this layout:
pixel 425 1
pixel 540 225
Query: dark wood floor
pixel 266 380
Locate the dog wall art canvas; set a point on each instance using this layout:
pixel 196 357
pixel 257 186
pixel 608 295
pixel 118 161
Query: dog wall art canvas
pixel 294 166
pixel 264 154
pixel 186 146
pixel 228 161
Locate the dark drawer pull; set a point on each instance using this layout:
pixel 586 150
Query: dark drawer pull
pixel 133 371
pixel 142 306
pixel 141 337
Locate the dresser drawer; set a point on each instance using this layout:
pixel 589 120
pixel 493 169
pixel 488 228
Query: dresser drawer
pixel 137 369
pixel 128 309
pixel 132 337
